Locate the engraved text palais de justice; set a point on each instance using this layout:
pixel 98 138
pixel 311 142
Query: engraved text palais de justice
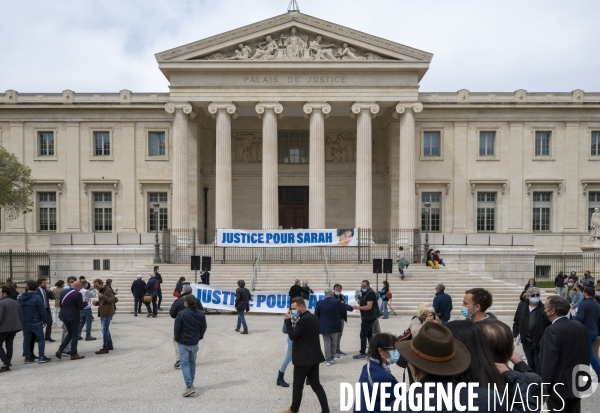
pixel 294 79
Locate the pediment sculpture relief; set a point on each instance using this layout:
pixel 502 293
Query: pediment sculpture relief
pixel 294 46
pixel 247 148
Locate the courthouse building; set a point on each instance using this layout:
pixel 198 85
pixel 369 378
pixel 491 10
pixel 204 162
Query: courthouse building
pixel 297 122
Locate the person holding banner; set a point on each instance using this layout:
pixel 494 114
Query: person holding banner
pixel 242 298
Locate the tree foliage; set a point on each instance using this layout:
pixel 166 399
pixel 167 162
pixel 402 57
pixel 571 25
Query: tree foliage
pixel 15 185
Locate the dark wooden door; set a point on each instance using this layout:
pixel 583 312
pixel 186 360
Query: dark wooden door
pixel 293 207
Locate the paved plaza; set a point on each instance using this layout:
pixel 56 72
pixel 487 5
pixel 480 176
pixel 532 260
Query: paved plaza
pixel 235 373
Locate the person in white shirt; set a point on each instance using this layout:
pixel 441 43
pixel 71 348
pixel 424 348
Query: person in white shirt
pixel 86 314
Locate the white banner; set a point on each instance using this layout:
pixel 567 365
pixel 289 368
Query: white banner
pixel 275 302
pixel 342 237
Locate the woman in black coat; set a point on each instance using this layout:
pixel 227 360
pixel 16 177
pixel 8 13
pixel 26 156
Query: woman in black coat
pixel 296 290
pixel 242 298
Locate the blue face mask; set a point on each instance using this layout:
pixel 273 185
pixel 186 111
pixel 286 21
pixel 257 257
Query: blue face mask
pixel 294 313
pixel 337 292
pixel 534 300
pixel 570 284
pixel 394 357
pixel 465 312
pixel 364 290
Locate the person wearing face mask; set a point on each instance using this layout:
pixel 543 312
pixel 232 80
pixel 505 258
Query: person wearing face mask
pixel 475 304
pixel 337 293
pixel 383 293
pixel 369 312
pixel 559 283
pixel 382 354
pixel 569 293
pixel 530 283
pixel 530 322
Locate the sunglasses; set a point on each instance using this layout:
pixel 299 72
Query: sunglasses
pixel 534 295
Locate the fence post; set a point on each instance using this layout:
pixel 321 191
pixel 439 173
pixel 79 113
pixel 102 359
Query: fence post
pixel 10 264
pixel 389 249
pixel 359 246
pixel 193 241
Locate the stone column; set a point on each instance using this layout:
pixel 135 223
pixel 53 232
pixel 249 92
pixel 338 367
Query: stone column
pixel 364 112
pixel 269 112
pixel 406 191
pixel 223 112
pixel 180 202
pixel 316 175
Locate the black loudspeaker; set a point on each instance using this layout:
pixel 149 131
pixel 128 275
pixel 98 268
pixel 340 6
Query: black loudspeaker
pixel 376 265
pixel 206 263
pixel 195 262
pixel 387 265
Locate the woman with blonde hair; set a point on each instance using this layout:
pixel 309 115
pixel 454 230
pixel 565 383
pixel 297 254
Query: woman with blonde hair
pixel 295 290
pixel 425 312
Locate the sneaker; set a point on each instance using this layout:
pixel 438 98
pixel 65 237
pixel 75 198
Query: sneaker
pixel 28 360
pixel 149 315
pixel 44 359
pixel 327 363
pixel 177 364
pixel 244 332
pixel 332 361
pixel 90 338
pixel 341 353
pixel 359 356
pixel 160 309
pixel 4 369
pixel 189 391
pixel 80 338
pixel 237 330
pixel 154 316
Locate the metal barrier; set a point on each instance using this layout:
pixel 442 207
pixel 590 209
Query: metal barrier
pixel 21 266
pixel 179 244
pixel 255 270
pixel 547 266
pixel 328 280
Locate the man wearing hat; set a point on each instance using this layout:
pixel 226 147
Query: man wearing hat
pixel 434 356
pixel 138 289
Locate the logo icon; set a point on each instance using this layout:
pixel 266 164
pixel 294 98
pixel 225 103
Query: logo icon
pixel 584 381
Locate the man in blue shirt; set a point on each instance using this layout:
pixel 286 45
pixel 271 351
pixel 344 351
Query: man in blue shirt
pixel 442 303
pixel 588 312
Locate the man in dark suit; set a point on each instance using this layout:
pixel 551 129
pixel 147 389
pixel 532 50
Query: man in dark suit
pixel 71 304
pixel 159 290
pixel 138 289
pixel 588 313
pixel 46 293
pixel 306 354
pixel 328 312
pixel 152 288
pixel 564 346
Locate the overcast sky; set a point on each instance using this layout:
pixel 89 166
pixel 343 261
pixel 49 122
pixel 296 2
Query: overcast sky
pixel 489 46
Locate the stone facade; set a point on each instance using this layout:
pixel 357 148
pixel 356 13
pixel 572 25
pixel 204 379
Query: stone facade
pixel 369 128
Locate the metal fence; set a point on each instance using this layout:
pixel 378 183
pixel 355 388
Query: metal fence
pixel 547 266
pixel 179 244
pixel 21 266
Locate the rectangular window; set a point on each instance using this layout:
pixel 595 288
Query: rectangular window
pixel 163 211
pixel 541 211
pixel 156 144
pixel 486 211
pixel 293 147
pixel 595 143
pixel 101 143
pixel 106 265
pixel 542 143
pixel 46 144
pixel 486 143
pixel 594 202
pixel 542 271
pixel 431 222
pixel 47 211
pixel 102 211
pixel 431 144
pixel 96 265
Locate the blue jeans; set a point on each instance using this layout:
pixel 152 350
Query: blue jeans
pixel 85 318
pixel 288 356
pixel 241 321
pixel 593 360
pixel 559 290
pixel 38 330
pixel 187 358
pixel 383 308
pixel 106 338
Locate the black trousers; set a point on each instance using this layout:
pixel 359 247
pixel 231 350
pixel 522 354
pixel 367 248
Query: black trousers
pixel 159 296
pixel 570 405
pixel 72 336
pixel 48 334
pixel 312 373
pixel 137 304
pixel 154 306
pixel 7 338
pixel 533 357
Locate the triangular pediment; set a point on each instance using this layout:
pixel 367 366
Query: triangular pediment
pixel 294 37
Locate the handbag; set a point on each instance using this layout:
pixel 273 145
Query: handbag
pixel 116 299
pixel 147 299
pixel 176 293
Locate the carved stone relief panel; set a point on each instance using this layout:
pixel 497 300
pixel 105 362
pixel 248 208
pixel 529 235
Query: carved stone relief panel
pixel 294 46
pixel 340 147
pixel 246 147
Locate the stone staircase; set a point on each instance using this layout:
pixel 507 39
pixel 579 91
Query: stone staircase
pixel 419 284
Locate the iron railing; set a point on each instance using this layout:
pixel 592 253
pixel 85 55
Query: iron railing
pixel 179 244
pixel 255 270
pixel 547 266
pixel 21 266
pixel 328 280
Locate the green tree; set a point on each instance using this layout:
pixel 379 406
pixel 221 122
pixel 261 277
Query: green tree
pixel 15 185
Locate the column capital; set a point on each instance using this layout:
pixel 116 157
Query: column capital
pixel 360 106
pixel 309 107
pixel 402 107
pixel 171 107
pixel 274 106
pixel 229 107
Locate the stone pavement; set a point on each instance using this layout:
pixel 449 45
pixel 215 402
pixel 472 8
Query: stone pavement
pixel 235 373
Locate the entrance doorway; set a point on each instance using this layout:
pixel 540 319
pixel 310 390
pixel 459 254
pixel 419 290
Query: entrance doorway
pixel 293 207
